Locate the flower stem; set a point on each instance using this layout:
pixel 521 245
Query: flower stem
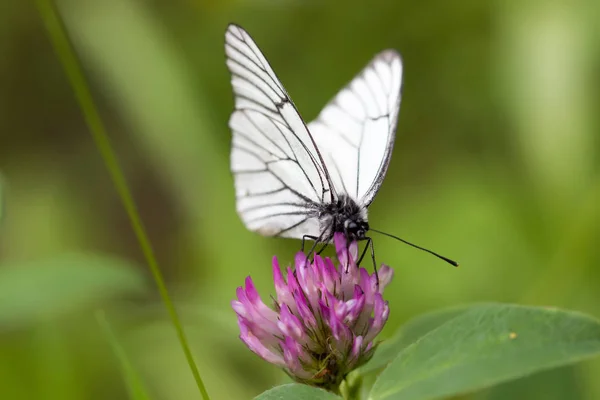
pixel 351 387
pixel 72 67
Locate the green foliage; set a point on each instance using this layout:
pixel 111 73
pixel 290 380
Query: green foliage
pixel 295 391
pixel 408 334
pixel 495 164
pixel 45 289
pixel 555 384
pixel 485 345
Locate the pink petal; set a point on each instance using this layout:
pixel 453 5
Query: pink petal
pixel 306 279
pixel 368 283
pixel 342 252
pixel 355 306
pixel 385 276
pixel 353 251
pixel 292 353
pixel 284 296
pixel 290 325
pixel 301 261
pixel 356 349
pixel 257 347
pixel 251 307
pixel 304 311
pixel 318 268
pixel 331 277
pixel 381 313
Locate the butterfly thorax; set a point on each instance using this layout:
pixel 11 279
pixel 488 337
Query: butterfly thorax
pixel 346 216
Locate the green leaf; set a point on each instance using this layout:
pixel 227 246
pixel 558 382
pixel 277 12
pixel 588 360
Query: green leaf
pixel 486 345
pixel 46 288
pixel 409 333
pixel 296 391
pixel 556 384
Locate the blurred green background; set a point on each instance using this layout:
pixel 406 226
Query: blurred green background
pixel 496 165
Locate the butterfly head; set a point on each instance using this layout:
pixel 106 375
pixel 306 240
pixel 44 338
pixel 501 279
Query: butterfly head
pixel 355 228
pixel 346 216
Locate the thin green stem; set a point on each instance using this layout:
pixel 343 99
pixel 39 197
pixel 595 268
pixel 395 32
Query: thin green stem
pixel 135 387
pixel 350 388
pixel 72 66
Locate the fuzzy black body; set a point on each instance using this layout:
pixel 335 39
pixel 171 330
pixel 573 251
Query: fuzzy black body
pixel 345 216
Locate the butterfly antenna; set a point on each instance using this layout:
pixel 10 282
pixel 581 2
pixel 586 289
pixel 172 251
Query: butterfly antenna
pixel 449 261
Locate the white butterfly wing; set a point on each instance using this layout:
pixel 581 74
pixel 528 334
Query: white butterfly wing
pixel 355 132
pixel 280 178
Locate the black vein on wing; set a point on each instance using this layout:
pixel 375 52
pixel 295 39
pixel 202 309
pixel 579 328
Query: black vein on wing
pixel 310 155
pixel 267 169
pixel 247 114
pixel 381 87
pixel 285 136
pixel 261 171
pixel 267 112
pixel 258 194
pixel 237 45
pixel 250 171
pixel 260 88
pixel 351 116
pixel 297 224
pixel 260 67
pixel 337 168
pixel 371 92
pixel 280 214
pixel 335 130
pixel 240 146
pixel 294 158
pixel 258 157
pixel 267 205
pixel 240 52
pixel 300 195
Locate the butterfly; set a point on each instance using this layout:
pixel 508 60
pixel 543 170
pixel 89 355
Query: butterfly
pixel 310 181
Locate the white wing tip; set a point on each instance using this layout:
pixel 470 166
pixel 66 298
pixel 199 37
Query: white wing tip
pixel 235 30
pixel 389 56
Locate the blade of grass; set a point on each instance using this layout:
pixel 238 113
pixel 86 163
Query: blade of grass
pixel 135 387
pixel 70 62
pixel 2 199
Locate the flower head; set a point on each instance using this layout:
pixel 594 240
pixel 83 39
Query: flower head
pixel 325 318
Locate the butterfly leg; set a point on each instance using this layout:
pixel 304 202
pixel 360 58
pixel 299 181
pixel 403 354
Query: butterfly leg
pixel 364 252
pixel 311 237
pixel 317 240
pixel 325 244
pixel 370 244
pixel 374 262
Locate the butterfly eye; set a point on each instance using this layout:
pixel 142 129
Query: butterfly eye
pixel 350 225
